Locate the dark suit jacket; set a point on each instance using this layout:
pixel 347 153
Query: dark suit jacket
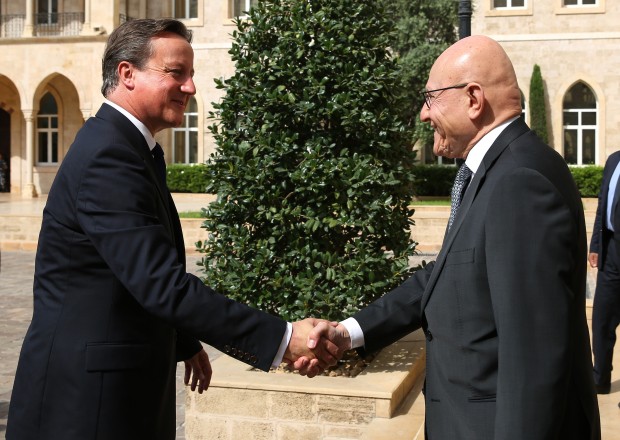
pixel 114 309
pixel 601 234
pixel 503 307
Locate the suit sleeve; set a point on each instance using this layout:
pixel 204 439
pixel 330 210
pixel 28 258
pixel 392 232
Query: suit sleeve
pixel 595 241
pixel 117 208
pixel 395 314
pixel 187 347
pixel 532 246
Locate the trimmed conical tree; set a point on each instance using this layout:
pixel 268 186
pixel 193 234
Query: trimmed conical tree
pixel 311 166
pixel 538 110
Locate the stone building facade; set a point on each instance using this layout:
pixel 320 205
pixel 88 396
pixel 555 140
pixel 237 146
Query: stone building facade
pixel 576 44
pixel 50 72
pixel 50 76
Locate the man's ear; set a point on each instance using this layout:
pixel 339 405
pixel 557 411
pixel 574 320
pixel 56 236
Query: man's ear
pixel 126 74
pixel 475 94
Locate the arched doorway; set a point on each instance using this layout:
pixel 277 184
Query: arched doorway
pixel 5 150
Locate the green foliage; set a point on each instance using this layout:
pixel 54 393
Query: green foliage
pixel 433 180
pixel 588 179
pixel 538 111
pixel 424 29
pixel 186 178
pixel 312 164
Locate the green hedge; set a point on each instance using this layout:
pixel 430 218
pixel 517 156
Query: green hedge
pixel 588 179
pixel 429 181
pixel 186 178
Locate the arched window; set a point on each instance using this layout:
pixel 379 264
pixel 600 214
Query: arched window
pixel 185 137
pixel 47 130
pixel 580 110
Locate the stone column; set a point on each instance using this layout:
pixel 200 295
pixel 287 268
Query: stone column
pixel 28 189
pixel 28 23
pixel 86 27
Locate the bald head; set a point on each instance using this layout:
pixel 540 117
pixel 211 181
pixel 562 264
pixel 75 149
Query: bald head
pixel 482 60
pixel 490 94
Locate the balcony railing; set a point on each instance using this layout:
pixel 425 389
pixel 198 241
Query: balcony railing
pixel 45 25
pixel 12 25
pixel 58 24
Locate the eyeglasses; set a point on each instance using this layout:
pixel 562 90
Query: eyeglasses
pixel 428 97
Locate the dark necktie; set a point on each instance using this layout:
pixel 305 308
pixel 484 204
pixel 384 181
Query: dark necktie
pixel 160 163
pixel 460 184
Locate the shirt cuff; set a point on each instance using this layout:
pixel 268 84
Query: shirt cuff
pixel 283 345
pixel 355 332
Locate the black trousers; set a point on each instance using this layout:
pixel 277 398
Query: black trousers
pixel 606 313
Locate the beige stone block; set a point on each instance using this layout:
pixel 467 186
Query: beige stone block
pixel 246 429
pixel 233 402
pixel 293 406
pixel 207 428
pixel 343 432
pixel 299 431
pixel 348 410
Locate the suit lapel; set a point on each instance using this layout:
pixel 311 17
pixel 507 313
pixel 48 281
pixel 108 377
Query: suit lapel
pixel 136 141
pixel 513 131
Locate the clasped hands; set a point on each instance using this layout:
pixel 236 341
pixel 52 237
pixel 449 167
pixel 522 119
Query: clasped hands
pixel 315 345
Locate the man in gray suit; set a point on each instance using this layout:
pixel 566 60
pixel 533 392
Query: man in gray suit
pixel 503 307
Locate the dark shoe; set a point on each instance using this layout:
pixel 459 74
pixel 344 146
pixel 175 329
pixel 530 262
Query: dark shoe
pixel 603 389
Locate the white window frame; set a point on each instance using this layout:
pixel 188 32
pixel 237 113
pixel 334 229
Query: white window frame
pixel 187 9
pixel 509 6
pixel 51 12
pixel 580 4
pixel 50 133
pixel 579 127
pixel 237 14
pixel 580 8
pixel 186 129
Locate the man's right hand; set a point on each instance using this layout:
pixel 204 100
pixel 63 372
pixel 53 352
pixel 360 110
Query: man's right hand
pixel 593 259
pixel 323 332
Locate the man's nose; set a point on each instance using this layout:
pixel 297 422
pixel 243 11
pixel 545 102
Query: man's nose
pixel 424 113
pixel 189 87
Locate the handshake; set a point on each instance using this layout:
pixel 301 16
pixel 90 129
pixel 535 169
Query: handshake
pixel 315 345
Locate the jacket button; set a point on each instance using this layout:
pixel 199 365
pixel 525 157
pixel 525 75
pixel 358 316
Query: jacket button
pixel 226 348
pixel 254 359
pixel 429 336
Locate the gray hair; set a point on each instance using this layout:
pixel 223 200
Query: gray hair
pixel 131 42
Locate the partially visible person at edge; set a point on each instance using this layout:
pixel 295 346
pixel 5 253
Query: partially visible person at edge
pixel 503 306
pixel 114 308
pixel 605 254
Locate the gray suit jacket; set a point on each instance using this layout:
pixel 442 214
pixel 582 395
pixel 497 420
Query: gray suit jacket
pixel 503 307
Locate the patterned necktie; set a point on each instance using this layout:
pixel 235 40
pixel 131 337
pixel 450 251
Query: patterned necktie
pixel 460 184
pixel 160 163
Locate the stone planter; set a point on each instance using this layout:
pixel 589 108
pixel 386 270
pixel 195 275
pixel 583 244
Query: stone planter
pixel 246 404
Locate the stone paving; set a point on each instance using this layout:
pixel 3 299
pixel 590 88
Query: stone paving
pixel 16 276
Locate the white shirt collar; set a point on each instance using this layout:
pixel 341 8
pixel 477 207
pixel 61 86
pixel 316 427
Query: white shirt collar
pixel 477 153
pixel 150 140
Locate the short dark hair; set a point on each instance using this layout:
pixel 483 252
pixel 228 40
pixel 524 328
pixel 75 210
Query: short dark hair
pixel 131 42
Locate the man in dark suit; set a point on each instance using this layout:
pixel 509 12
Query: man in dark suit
pixel 114 309
pixel 605 254
pixel 503 306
